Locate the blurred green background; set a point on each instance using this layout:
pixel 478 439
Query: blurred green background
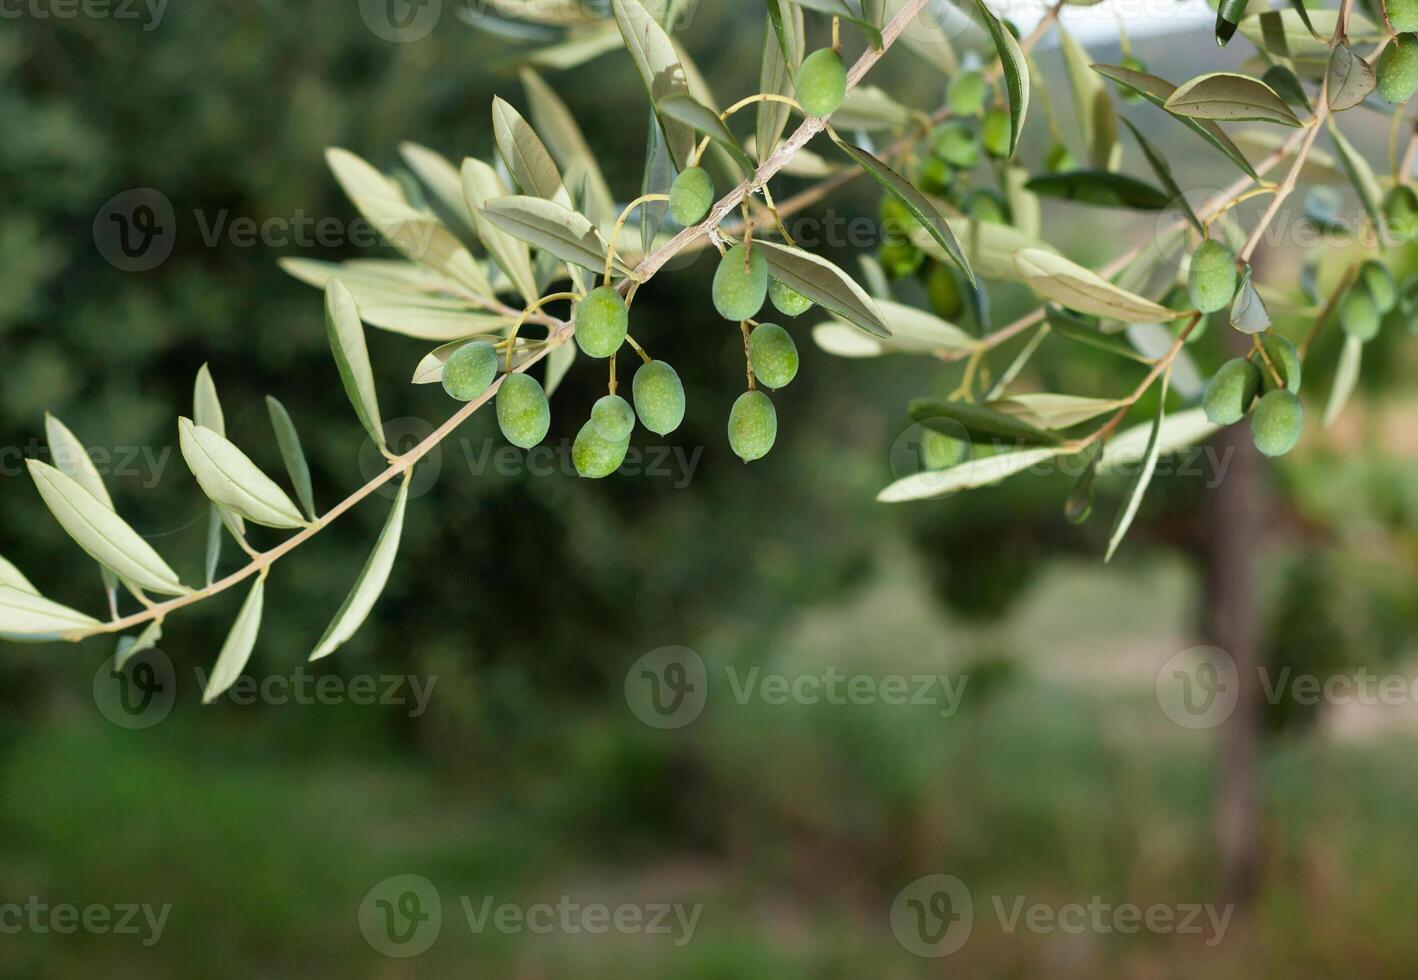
pixel 523 600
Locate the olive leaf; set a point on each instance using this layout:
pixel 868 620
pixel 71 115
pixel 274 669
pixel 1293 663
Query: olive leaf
pixel 1287 34
pixel 481 184
pixel 977 471
pixel 1070 284
pixel 240 641
pixel 292 454
pixel 1079 505
pixel 1227 95
pixel 905 192
pixel 1248 312
pixel 913 331
pixel 438 174
pixel 783 49
pixel 346 335
pixel 684 108
pixel 229 477
pixel 1101 188
pixel 552 228
pixel 659 66
pixel 988 245
pixel 658 178
pixel 823 283
pixel 1016 72
pixel 1287 86
pixel 27 617
pixel 1228 16
pixel 1163 172
pixel 1361 175
pixel 1133 499
pixel 525 155
pixel 1349 79
pixel 1318 167
pixel 14 578
pixel 1073 329
pixel 72 458
pixel 1158 91
pixel 1346 378
pixel 869 109
pixel 417 234
pixel 569 148
pixel 207 411
pixel 843 9
pixel 129 647
pixel 1097 118
pixel 105 536
pixel 559 362
pixel 983 423
pixel 1046 410
pixel 1182 429
pixel 371 581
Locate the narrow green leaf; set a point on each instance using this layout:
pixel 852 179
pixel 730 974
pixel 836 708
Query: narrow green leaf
pixel 213 559
pixel 982 423
pixel 480 185
pixel 240 641
pixel 14 578
pixel 72 458
pixel 568 146
pixel 1361 175
pixel 1248 312
pixel 684 108
pixel 1046 410
pixel 371 581
pixel 1163 172
pixel 823 283
pixel 207 412
pixel 1138 489
pixel 921 208
pixel 1097 119
pixel 552 228
pixel 1227 95
pixel 440 177
pixel 1350 79
pixel 1228 15
pixel 1079 505
pixel 1073 329
pixel 105 536
pixel 783 49
pixel 978 471
pixel 659 66
pixel 1016 72
pixel 26 617
pixel 526 156
pixel 1288 87
pixel 229 477
pixel 346 334
pixel 129 647
pixel 843 9
pixel 292 454
pixel 1346 378
pixel 1100 188
pixel 1065 281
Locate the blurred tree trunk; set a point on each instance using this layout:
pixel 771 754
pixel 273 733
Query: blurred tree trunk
pixel 1233 623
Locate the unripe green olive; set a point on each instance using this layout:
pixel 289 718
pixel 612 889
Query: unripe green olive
pixel 899 259
pixel 1286 358
pixel 1212 280
pixel 1401 212
pixel 1402 14
pixel 613 418
pixel 468 372
pixel 1397 69
pixel 1383 290
pixel 1060 159
pixel 1358 314
pixel 935 176
pixel 822 82
pixel 740 283
pixel 690 195
pixel 940 451
pixel 943 291
pixel 966 94
pixel 994 133
pixel 596 456
pixel 659 397
pixel 753 425
pixel 955 143
pixel 601 322
pixel 1277 422
pixel 786 299
pixel 1231 391
pixel 772 355
pixel 897 221
pixel 986 204
pixel 523 414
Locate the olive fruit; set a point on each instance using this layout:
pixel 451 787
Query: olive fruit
pixel 1278 420
pixel 935 176
pixel 1401 212
pixel 470 369
pixel 1402 14
pixel 897 221
pixel 601 322
pixel 986 205
pixel 740 283
pixel 690 195
pixel 955 143
pixel 1380 284
pixel 899 259
pixel 940 451
pixel 1359 314
pixel 772 354
pixel 753 425
pixel 1060 159
pixel 943 291
pixel 596 456
pixel 1286 359
pixel 994 133
pixel 966 94
pixel 1397 69
pixel 1231 391
pixel 523 414
pixel 613 418
pixel 822 82
pixel 786 299
pixel 1212 280
pixel 659 397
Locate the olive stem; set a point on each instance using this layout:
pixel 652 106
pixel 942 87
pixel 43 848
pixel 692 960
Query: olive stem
pixel 1329 304
pixel 1258 348
pixel 620 223
pixel 638 349
pixel 511 339
pixel 747 362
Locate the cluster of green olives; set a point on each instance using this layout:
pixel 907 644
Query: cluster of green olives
pixel 1279 417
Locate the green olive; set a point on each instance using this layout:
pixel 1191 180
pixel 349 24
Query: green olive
pixel 523 414
pixel 943 291
pixel 613 418
pixel 786 299
pixel 1397 69
pixel 1231 391
pixel 1286 358
pixel 594 455
pixel 772 354
pixel 468 372
pixel 740 283
pixel 1277 422
pixel 753 425
pixel 1401 212
pixel 1402 14
pixel 1358 314
pixel 994 133
pixel 1060 159
pixel 822 82
pixel 966 94
pixel 899 259
pixel 659 397
pixel 955 143
pixel 601 322
pixel 986 205
pixel 1212 280
pixel 691 195
pixel 1383 290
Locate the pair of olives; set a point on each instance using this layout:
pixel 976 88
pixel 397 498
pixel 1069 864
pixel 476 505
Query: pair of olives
pixel 742 283
pixel 1372 295
pixel 523 412
pixel 1278 417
